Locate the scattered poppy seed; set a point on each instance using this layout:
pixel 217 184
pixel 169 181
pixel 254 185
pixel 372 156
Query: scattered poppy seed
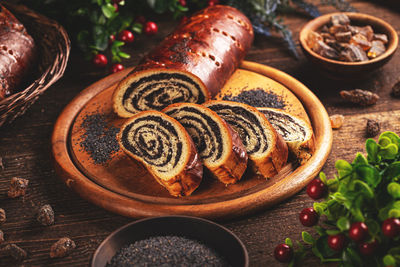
pixel 166 251
pixel 257 98
pixel 99 139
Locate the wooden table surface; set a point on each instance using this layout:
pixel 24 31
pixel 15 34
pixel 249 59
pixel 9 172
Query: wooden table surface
pixel 25 151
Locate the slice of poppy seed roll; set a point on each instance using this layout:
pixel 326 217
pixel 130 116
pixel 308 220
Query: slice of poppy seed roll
pixel 219 147
pixel 164 147
pixel 297 133
pixel 267 150
pixel 190 65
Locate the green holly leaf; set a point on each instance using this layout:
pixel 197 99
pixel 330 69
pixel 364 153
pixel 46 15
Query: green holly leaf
pixel 323 248
pixel 394 138
pixel 388 152
pixel 108 10
pixel 389 260
pixel 394 189
pixel 360 159
pixel 289 242
pixel 373 227
pixel 307 238
pixel 332 232
pixel 343 168
pixel 363 188
pixel 372 149
pixel 368 174
pixel 343 224
pixel 351 257
pixel 322 177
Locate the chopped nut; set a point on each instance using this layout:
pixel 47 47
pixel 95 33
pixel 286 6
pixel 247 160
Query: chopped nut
pixel 45 215
pixel 18 187
pixel 396 89
pixel 381 37
pixel 3 217
pixel 15 251
pixel 1 237
pixel 361 97
pixel 62 247
pixel 1 164
pixel 336 121
pixel 373 128
pixel 340 19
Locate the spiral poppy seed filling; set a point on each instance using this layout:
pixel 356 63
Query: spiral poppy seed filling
pixel 157 91
pixel 155 140
pixel 203 130
pixel 289 128
pixel 246 124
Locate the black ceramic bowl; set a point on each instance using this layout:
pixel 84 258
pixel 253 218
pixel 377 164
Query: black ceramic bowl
pixel 213 235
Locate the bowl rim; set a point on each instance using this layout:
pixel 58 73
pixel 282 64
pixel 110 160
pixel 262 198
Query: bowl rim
pixel 184 217
pixel 393 39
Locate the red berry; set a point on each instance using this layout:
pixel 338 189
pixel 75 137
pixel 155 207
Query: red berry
pixel 111 39
pixel 308 217
pixel 368 248
pixel 100 60
pixel 150 28
pixel 182 2
pixel 116 7
pixel 126 36
pixel 213 2
pixel 283 253
pixel 391 227
pixel 141 20
pixel 336 242
pixel 183 20
pixel 358 231
pixel 116 67
pixel 316 189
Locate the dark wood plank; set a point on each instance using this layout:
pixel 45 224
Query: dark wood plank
pixel 25 149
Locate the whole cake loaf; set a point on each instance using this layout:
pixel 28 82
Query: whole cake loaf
pixel 190 65
pixel 219 147
pixel 164 147
pixel 17 52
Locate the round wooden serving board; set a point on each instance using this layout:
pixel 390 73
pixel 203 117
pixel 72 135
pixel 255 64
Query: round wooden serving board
pixel 123 186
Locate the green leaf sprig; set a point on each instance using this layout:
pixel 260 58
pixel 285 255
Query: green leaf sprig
pixel 366 190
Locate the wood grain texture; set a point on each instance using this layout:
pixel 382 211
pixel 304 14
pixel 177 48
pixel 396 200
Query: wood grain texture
pixel 25 149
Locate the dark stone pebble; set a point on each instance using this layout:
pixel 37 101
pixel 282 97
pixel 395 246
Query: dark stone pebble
pixel 373 128
pixel 15 251
pixel 257 98
pixel 166 251
pixel 45 215
pixel 62 247
pixel 18 187
pixel 396 89
pixel 99 139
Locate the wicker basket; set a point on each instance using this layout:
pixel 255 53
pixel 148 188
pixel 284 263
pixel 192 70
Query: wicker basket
pixel 53 47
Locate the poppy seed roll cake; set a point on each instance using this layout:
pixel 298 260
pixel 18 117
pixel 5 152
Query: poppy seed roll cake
pixel 267 150
pixel 189 65
pixel 296 132
pixel 164 147
pixel 219 147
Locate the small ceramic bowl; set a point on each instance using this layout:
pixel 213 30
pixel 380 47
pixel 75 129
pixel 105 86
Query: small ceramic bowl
pixel 213 235
pixel 340 69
